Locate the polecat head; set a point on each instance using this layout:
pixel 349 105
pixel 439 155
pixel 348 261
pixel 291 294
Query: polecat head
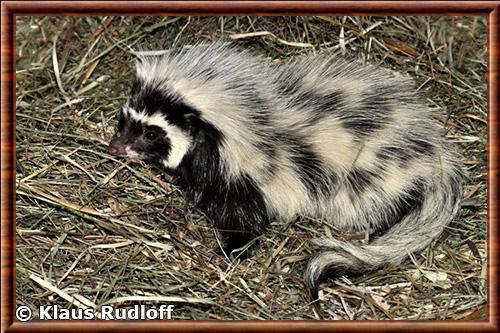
pixel 154 126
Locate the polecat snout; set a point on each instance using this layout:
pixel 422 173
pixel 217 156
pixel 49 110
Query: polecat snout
pixel 339 141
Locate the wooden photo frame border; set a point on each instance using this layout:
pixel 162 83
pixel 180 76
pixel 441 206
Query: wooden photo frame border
pixel 10 9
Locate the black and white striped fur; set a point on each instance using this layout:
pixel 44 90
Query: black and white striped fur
pixel 342 142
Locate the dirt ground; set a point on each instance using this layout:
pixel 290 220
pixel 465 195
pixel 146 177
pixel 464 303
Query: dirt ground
pixel 93 230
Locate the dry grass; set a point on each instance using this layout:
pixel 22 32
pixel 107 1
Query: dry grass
pixel 93 230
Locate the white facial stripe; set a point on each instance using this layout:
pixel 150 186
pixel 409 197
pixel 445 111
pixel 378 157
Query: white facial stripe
pixel 139 116
pixel 180 144
pixel 180 141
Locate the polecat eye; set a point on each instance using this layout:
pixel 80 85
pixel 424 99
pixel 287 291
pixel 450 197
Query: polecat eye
pixel 151 136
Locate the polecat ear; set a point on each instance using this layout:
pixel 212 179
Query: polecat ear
pixel 189 116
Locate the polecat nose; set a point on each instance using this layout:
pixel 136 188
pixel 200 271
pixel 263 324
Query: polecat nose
pixel 116 148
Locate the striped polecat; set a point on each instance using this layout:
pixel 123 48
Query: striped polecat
pixel 342 142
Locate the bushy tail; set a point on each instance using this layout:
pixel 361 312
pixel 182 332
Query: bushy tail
pixel 413 233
